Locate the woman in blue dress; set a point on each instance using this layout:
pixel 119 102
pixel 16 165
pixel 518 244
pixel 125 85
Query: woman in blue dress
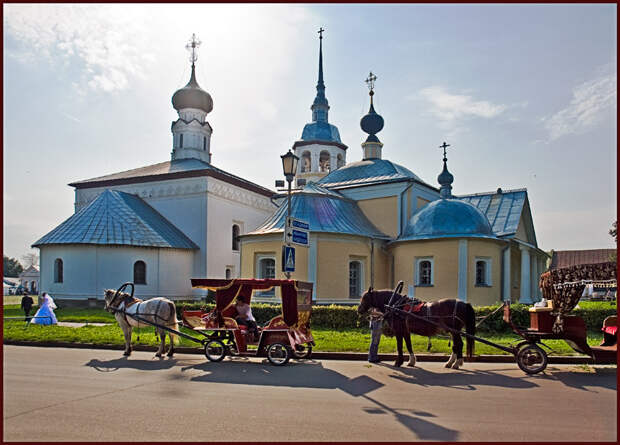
pixel 45 314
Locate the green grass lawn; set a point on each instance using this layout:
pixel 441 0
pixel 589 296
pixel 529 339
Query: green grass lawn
pixel 352 340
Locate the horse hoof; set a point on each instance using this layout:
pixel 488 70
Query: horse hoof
pixel 411 365
pixel 158 355
pixel 170 354
pixel 398 363
pixel 458 364
pixel 126 353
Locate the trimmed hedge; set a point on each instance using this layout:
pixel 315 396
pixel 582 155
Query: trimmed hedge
pixel 346 317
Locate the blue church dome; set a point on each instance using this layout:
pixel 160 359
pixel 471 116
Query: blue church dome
pixel 447 218
pixel 320 131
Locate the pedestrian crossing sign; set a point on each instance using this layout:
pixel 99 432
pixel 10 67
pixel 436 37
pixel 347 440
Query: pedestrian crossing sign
pixel 288 259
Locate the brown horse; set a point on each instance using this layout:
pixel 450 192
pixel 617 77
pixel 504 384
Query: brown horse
pixel 452 313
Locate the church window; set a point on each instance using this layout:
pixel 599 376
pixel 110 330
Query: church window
pixel 424 272
pixel 483 272
pixel 306 162
pixel 181 141
pixel 339 161
pixel 324 161
pixel 228 273
pixel 355 279
pixel 235 237
pixel 204 143
pixel 266 268
pixel 58 275
pixel 139 272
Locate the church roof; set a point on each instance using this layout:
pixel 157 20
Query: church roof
pixel 118 218
pixel 321 131
pixel 366 172
pixel 325 211
pixel 502 208
pixel 447 218
pixel 178 168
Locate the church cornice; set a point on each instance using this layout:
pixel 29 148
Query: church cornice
pixel 319 142
pixel 206 124
pixel 177 175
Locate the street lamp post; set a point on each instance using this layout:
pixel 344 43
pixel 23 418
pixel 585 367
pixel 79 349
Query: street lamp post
pixel 289 166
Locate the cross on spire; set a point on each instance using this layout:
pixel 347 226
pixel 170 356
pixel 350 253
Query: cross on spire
pixel 320 32
pixel 371 82
pixel 444 146
pixel 192 46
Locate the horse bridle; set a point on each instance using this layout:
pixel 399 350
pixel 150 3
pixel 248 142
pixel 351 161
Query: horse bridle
pixel 118 294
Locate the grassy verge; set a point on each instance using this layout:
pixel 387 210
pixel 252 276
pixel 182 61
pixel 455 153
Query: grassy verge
pixel 354 340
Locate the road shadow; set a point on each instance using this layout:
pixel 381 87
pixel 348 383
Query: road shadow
pixel 585 378
pixel 124 362
pixel 312 374
pixel 462 379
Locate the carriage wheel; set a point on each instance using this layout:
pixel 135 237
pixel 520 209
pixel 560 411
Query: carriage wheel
pixel 215 351
pixel 302 351
pixel 532 359
pixel 278 354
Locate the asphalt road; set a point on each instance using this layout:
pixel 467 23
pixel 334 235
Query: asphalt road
pixel 63 394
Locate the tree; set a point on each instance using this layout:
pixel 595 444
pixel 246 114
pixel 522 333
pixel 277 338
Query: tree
pixel 11 267
pixel 614 233
pixel 30 259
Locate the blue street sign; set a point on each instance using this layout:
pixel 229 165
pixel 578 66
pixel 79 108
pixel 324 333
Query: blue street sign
pixel 288 259
pixel 300 237
pixel 299 224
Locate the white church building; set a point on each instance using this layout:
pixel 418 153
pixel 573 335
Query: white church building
pixel 158 225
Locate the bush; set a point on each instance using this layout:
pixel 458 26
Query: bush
pixel 346 317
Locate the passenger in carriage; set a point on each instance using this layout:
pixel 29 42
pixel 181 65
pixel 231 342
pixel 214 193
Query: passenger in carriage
pixel 245 317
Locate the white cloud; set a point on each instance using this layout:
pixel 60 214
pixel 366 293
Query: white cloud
pixel 450 107
pixel 592 101
pixel 107 40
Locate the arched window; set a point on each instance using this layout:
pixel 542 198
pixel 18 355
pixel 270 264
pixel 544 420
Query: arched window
pixel 306 162
pixel 483 272
pixel 355 279
pixel 181 142
pixel 228 273
pixel 424 271
pixel 267 269
pixel 324 161
pixel 235 237
pixel 339 161
pixel 58 275
pixel 204 143
pixel 139 272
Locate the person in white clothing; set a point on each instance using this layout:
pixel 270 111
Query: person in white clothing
pixel 45 315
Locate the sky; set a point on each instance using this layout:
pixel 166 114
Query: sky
pixel 525 94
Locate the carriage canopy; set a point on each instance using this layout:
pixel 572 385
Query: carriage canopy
pixel 296 295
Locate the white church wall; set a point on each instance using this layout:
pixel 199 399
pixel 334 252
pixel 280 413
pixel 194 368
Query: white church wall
pixel 88 270
pixel 228 205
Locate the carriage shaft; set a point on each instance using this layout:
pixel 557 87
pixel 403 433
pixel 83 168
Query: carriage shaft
pixel 447 328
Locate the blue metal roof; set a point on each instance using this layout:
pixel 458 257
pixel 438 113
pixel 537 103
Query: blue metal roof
pixel 447 218
pixel 325 211
pixel 369 171
pixel 503 210
pixel 118 218
pixel 320 131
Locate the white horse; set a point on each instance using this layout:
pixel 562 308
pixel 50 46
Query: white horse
pixel 156 310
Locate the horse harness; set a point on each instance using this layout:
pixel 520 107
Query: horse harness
pixel 129 301
pixel 415 306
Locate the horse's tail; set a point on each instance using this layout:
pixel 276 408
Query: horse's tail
pixel 470 328
pixel 173 322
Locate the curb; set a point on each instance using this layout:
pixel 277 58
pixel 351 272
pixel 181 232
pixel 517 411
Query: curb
pixel 354 356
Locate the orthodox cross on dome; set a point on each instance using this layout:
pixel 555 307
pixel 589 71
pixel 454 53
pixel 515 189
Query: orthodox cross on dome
pixel 444 146
pixel 371 82
pixel 320 32
pixel 192 46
